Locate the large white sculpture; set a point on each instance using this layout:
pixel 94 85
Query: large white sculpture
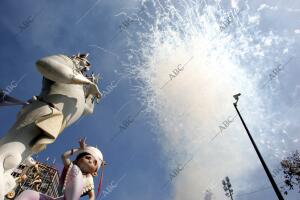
pixel 66 95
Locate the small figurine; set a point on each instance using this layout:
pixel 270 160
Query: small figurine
pixel 77 176
pixel 37 181
pixel 20 180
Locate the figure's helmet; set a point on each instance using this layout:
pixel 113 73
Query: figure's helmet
pixel 82 59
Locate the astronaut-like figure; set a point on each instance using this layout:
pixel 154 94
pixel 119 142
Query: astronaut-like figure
pixel 66 95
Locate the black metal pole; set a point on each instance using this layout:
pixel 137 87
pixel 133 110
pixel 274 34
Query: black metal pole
pixel 275 187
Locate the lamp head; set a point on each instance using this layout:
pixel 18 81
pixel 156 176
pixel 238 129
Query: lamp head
pixel 236 96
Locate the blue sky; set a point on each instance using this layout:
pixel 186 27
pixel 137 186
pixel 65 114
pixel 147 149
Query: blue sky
pixel 142 156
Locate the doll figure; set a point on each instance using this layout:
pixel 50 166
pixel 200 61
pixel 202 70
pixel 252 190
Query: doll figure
pixel 77 176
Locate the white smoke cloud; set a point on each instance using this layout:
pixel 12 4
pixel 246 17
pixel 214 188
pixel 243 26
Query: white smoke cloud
pixel 191 67
pixel 265 7
pixel 234 4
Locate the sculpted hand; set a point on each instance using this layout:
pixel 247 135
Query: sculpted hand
pixel 94 90
pixel 82 143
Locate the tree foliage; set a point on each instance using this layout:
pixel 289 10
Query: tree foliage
pixel 291 170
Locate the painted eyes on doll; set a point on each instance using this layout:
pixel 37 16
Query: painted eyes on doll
pixel 91 158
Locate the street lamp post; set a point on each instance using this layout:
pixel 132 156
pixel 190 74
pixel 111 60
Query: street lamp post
pixel 274 185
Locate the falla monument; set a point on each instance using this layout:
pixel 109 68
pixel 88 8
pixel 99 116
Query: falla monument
pixel 67 94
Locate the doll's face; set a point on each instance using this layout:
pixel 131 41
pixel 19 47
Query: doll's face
pixel 88 164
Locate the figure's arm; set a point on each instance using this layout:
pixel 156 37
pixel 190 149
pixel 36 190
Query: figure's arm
pixel 62 69
pixel 91 195
pixel 67 154
pixel 65 157
pixel 89 97
pixel 89 104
